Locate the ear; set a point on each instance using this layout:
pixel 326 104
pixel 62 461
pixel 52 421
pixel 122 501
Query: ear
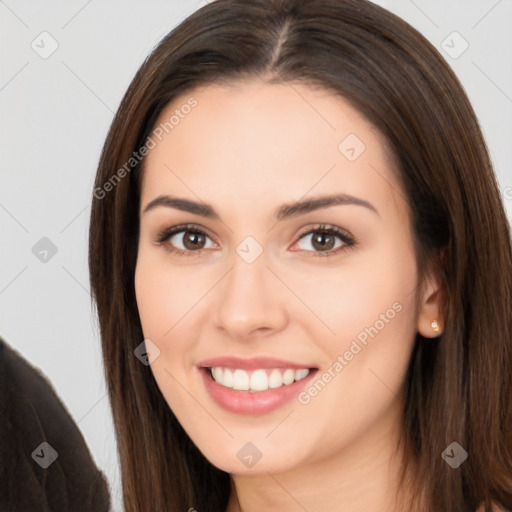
pixel 430 307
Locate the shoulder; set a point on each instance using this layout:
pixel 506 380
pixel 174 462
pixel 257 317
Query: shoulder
pixel 18 372
pixel 31 402
pixel 32 413
pixel 27 392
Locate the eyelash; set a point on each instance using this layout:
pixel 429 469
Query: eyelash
pixel 348 241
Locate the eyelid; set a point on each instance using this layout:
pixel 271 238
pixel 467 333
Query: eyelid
pixel 182 227
pixel 328 228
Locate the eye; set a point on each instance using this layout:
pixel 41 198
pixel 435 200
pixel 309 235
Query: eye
pixel 190 240
pixel 184 240
pixel 327 240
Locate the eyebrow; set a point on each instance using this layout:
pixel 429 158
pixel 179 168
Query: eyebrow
pixel 285 211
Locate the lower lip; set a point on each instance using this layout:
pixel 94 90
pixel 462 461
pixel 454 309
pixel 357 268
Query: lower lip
pixel 253 403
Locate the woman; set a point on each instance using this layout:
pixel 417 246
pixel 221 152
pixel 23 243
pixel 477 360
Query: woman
pixel 303 270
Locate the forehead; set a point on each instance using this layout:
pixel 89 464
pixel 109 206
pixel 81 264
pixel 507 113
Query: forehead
pixel 264 140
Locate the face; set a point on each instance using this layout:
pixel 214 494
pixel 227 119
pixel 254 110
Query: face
pixel 278 252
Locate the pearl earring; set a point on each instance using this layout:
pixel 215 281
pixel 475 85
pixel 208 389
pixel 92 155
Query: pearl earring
pixel 435 326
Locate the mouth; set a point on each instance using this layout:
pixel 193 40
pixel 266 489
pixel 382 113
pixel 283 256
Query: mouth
pixel 258 380
pixel 254 386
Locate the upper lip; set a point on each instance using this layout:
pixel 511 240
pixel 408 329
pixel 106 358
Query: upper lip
pixel 253 363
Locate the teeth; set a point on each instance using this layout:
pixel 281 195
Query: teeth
pixel 258 380
pixel 241 380
pixel 288 376
pixel 217 374
pixel 227 377
pixel 300 374
pixel 276 379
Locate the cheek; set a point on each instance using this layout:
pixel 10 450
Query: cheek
pixel 163 300
pixel 164 294
pixel 348 298
pixel 151 300
pixel 375 323
pixel 371 309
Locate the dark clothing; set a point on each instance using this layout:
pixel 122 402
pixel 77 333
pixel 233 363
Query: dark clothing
pixel 32 414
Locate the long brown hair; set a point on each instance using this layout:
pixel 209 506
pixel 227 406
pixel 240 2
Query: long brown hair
pixel 458 388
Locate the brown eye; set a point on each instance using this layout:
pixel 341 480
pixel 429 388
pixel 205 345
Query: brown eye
pixel 191 240
pixel 184 240
pixel 323 241
pixel 326 241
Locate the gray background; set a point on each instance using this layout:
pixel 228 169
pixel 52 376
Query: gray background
pixel 55 114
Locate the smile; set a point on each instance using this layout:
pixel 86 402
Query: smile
pixel 257 380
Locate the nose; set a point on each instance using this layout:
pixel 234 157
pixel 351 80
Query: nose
pixel 250 301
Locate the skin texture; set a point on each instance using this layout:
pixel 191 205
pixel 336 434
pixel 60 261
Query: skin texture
pixel 246 149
